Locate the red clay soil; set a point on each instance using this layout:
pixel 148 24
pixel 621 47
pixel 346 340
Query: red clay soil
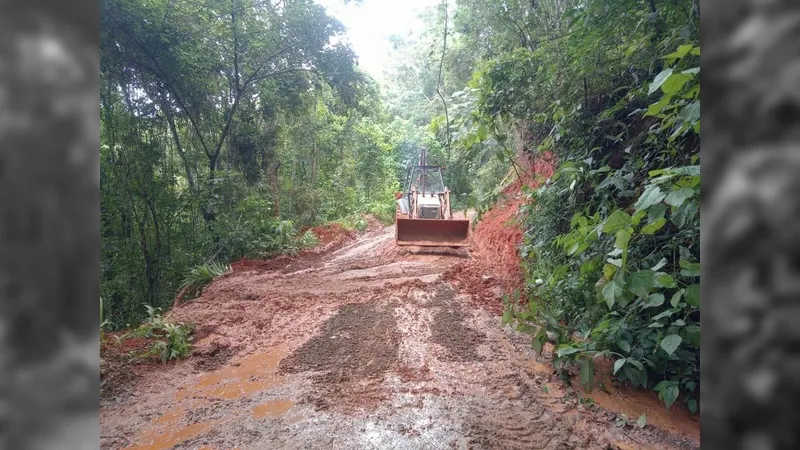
pixel 634 402
pixel 496 239
pixel 331 237
pixel 498 235
pixel 121 361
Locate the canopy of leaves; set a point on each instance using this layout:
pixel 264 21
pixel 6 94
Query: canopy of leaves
pixel 225 127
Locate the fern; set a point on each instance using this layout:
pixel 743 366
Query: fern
pixel 200 276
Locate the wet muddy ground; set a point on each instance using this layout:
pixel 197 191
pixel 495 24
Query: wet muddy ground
pixel 367 346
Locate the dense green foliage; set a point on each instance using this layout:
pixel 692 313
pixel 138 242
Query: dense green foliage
pixel 611 89
pixel 226 126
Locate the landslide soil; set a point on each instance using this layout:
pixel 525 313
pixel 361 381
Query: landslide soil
pixel 361 344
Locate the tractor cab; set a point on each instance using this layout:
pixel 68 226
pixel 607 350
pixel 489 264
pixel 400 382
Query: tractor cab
pixel 424 215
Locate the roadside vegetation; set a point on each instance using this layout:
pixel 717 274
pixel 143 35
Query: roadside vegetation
pixel 222 138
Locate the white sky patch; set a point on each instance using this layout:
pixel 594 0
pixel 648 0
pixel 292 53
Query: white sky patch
pixel 370 25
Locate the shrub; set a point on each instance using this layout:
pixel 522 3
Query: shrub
pixel 172 340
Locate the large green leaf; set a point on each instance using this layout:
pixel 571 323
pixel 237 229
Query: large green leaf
pixel 641 282
pixel 652 227
pixel 692 295
pixel 618 365
pixel 654 300
pixel 692 334
pixel 482 132
pixel 587 372
pixel 612 291
pixel 690 113
pixel 678 196
pixel 537 345
pixel 659 80
pixel 655 108
pixel 676 298
pixel 637 377
pixel 671 343
pixel 609 270
pixel 689 269
pixel 651 196
pixel 566 350
pixel 683 214
pixel 670 394
pixel 635 363
pixel 673 84
pixel 656 212
pixel 637 217
pixel 682 51
pixel 622 239
pixel 618 220
pixel 664 280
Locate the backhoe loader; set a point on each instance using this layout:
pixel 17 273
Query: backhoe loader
pixel 423 213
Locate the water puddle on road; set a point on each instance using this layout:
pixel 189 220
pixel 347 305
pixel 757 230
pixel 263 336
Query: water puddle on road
pixel 160 441
pixel 272 408
pixel 254 373
pixel 250 375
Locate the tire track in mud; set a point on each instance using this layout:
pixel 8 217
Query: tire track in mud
pixel 367 347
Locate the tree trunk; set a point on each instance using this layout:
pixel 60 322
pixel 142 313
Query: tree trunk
pixel 314 184
pixel 176 138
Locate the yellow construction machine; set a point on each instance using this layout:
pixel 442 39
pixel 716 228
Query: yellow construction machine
pixel 424 217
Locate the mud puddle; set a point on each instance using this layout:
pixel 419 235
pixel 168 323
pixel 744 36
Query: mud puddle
pixel 214 399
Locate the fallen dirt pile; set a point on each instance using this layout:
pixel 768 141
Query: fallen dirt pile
pixel 122 362
pixel 450 331
pixel 331 237
pixel 355 331
pixel 355 349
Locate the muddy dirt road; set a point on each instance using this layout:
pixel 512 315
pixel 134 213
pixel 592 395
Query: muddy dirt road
pixel 367 346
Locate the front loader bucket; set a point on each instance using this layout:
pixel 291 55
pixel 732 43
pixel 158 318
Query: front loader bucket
pixel 432 232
